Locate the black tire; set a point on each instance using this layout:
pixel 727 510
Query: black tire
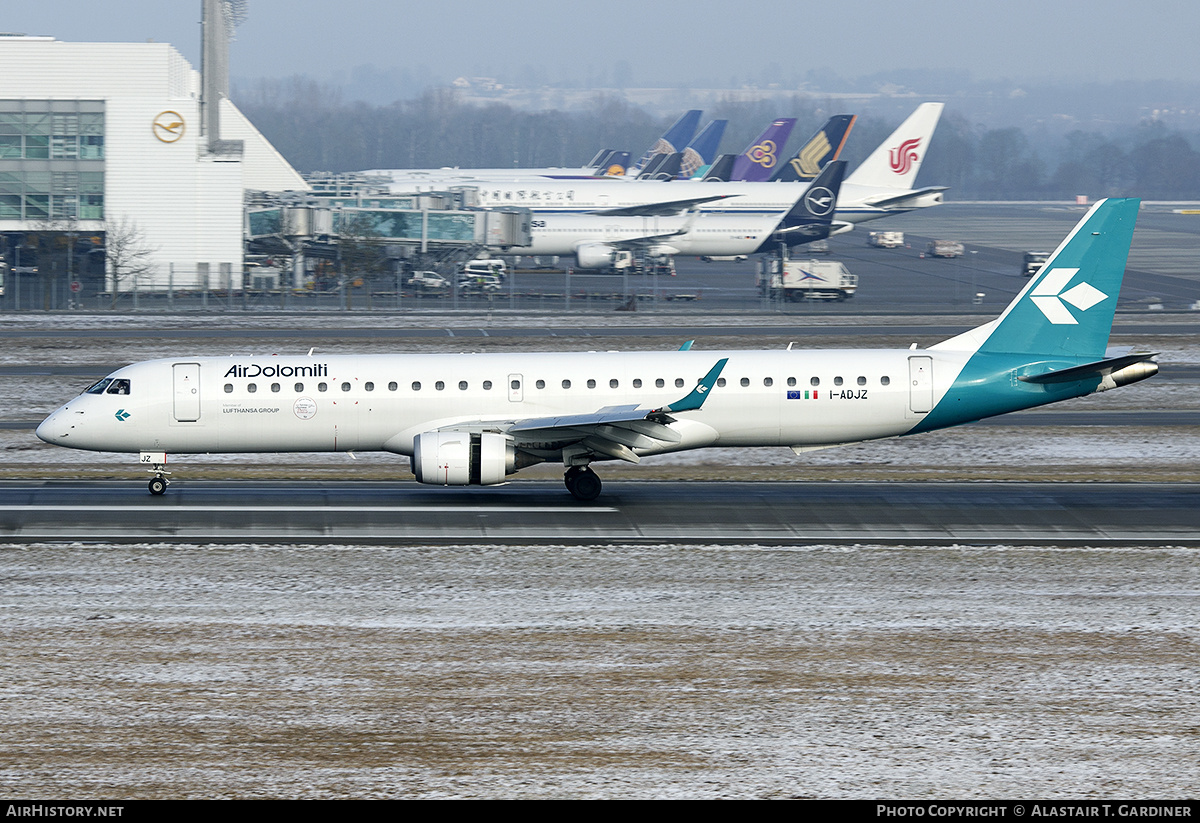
pixel 158 486
pixel 584 486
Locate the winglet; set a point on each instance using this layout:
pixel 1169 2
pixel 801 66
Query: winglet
pixel 687 346
pixel 699 394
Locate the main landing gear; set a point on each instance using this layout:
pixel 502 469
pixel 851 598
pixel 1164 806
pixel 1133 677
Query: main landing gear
pixel 583 483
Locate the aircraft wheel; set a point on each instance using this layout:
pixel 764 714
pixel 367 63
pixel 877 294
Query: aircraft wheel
pixel 584 485
pixel 158 486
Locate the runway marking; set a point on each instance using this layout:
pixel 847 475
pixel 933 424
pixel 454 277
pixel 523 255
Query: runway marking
pixel 149 507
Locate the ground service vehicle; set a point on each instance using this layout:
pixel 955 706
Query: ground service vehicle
pixel 796 280
pixel 944 248
pixel 886 239
pixel 1034 260
pixel 427 281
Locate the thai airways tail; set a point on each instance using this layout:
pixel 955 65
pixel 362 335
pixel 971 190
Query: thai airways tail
pixel 821 149
pixel 894 165
pixel 674 139
pixel 700 153
pixel 757 162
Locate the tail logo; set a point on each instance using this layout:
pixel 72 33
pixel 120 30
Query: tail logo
pixel 764 154
pixel 1048 296
pixel 819 200
pixel 903 156
pixel 807 163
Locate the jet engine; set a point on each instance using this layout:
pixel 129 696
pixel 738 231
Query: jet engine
pixel 595 255
pixel 451 458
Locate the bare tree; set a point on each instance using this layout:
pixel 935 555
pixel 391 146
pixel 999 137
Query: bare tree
pixel 127 253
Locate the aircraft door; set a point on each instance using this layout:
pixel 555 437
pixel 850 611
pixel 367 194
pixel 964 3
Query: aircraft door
pixel 516 390
pixel 187 392
pixel 920 384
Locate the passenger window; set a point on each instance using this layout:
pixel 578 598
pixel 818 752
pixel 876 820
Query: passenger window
pixel 541 384
pixel 416 385
pixel 612 384
pixel 345 387
pixel 393 386
pixel 591 384
pixel 251 387
pixel 768 381
pixel 229 388
pixel 837 381
pixel 816 381
pixel 885 381
pixel 322 387
pixel 679 382
pixel 514 385
pixel 98 388
pixel 119 386
pixel 791 381
pixel 487 385
pixel 462 385
pixel 637 382
pixel 745 381
pixel 440 385
pixel 862 381
pixel 299 387
pixel 369 386
pixel 566 384
pixel 274 387
pixel 659 383
pixel 721 382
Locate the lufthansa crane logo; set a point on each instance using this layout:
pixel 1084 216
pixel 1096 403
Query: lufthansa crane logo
pixel 1049 297
pixel 763 154
pixel 819 200
pixel 168 126
pixel 903 156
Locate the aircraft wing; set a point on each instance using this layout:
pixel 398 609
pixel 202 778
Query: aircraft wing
pixel 662 209
pixel 884 200
pixel 613 431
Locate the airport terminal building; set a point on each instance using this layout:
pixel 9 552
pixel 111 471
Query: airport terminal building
pixel 106 148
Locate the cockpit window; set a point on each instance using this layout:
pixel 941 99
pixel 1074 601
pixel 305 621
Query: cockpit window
pixel 118 386
pixel 98 388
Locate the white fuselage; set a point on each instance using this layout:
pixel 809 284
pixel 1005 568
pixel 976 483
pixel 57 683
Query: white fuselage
pixel 707 234
pixel 544 196
pixel 382 402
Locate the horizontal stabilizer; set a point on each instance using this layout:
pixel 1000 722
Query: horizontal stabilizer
pixel 1099 368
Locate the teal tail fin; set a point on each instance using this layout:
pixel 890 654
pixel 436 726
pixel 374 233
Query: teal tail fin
pixel 1067 309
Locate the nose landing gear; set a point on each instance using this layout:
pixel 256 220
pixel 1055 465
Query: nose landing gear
pixel 156 462
pixel 158 484
pixel 583 483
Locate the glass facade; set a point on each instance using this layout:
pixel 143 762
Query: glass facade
pixel 51 159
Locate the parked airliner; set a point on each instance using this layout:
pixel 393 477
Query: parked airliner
pixel 596 242
pixel 477 419
pixel 881 186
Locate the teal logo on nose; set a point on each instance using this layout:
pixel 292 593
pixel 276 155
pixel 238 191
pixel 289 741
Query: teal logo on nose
pixel 122 415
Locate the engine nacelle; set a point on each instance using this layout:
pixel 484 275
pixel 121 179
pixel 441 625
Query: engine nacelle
pixel 595 255
pixel 462 458
pixel 1127 375
pixel 660 250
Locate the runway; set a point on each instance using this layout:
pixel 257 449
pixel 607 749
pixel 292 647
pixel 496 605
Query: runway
pixel 534 512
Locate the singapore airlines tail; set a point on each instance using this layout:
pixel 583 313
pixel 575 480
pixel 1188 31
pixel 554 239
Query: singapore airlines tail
pixel 821 149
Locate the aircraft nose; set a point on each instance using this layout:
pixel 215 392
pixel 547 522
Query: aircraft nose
pixel 50 429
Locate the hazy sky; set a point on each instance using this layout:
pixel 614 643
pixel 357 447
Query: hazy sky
pixel 664 42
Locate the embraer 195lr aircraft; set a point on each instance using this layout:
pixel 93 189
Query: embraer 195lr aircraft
pixel 476 419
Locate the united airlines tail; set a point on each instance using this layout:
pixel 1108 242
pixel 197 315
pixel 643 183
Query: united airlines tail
pixel 821 149
pixel 895 163
pixel 701 152
pixel 674 139
pixel 1050 342
pixel 756 163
